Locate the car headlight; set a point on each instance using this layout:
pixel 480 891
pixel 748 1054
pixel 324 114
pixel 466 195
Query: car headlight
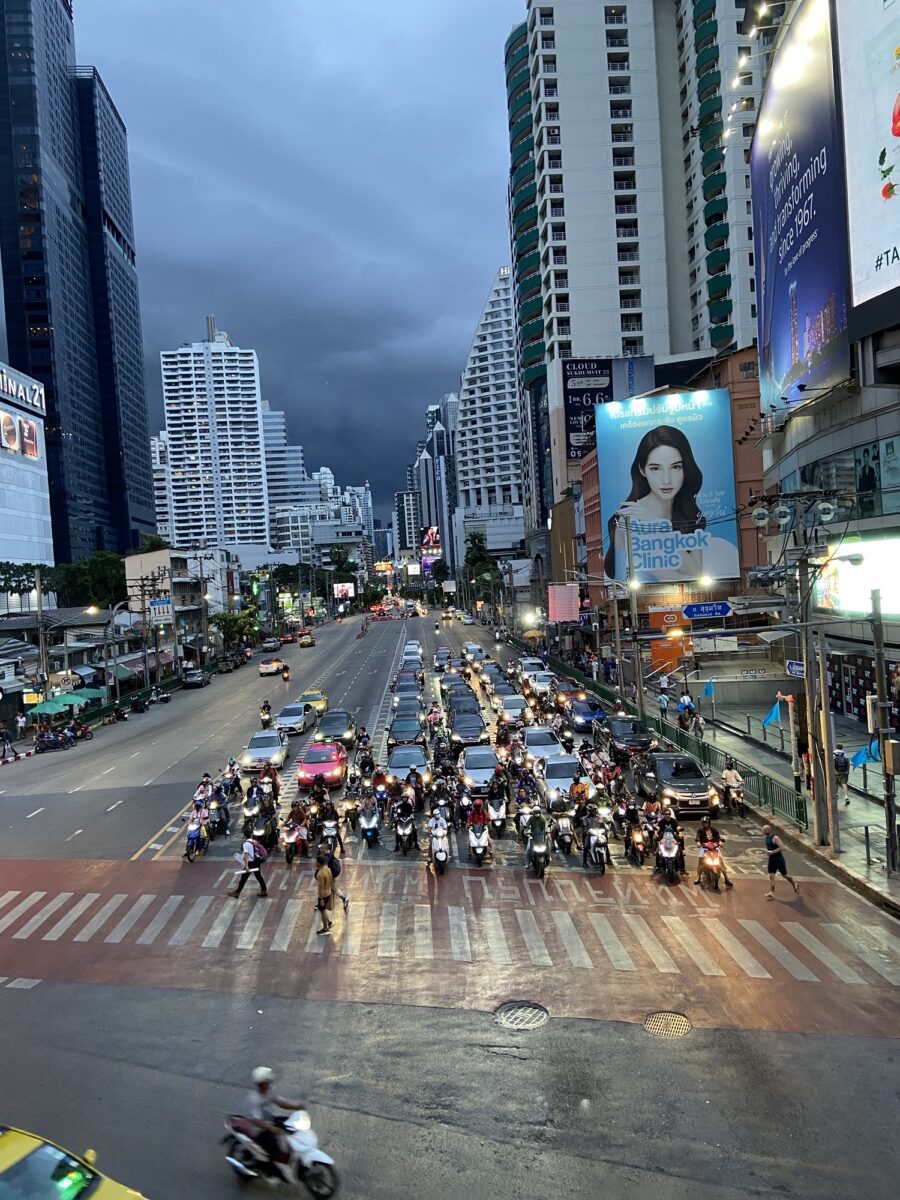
pixel 668 793
pixel 713 794
pixel 468 781
pixel 335 773
pixel 455 737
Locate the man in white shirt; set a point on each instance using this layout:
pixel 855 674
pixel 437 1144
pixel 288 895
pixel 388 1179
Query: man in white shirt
pixel 252 865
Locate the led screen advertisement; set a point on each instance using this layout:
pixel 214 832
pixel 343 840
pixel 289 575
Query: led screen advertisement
pixel 344 591
pixel 430 544
pixel 868 36
pixel 591 381
pixel 666 462
pixel 845 588
pixel 799 219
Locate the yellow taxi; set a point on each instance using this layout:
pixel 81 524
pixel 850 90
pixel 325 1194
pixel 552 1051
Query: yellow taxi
pixel 318 700
pixel 33 1168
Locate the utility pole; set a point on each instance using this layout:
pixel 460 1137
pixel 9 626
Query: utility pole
pixel 44 667
pixel 512 597
pixel 828 747
pixel 617 634
pixel 884 736
pixel 632 602
pixel 819 799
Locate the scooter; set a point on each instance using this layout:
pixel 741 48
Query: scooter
pixel 351 809
pixel 138 705
pixel 479 843
pixel 598 846
pixel 406 835
pixel 368 827
pixel 540 857
pixel 52 741
pixel 734 800
pixel 635 844
pixel 197 838
pixel 564 831
pixel 711 866
pixel 294 838
pixel 329 834
pixel 158 696
pixel 497 817
pixel 265 718
pixel 249 812
pixel 667 856
pixel 305 1163
pixel 216 820
pixel 440 851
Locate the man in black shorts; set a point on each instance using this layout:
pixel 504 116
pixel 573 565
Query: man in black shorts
pixel 777 865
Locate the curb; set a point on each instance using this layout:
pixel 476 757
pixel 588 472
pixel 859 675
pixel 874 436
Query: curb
pixel 835 868
pixel 23 754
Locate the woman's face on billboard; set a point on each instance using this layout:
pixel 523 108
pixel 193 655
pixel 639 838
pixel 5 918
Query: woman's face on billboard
pixel 664 472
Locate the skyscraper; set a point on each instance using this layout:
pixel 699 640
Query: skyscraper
pixel 488 463
pixel 69 279
pixel 285 472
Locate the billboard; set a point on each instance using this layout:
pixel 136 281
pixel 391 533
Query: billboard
pixel 590 381
pixel 344 591
pixel 799 218
pixel 845 588
pixel 868 36
pixel 563 601
pixel 430 544
pixel 666 462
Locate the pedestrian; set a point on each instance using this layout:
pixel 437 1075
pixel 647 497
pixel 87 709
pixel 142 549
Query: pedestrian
pixel 664 682
pixel 334 866
pixel 687 701
pixel 698 726
pixel 325 886
pixel 253 855
pixel 607 674
pixel 777 865
pixel 663 701
pixel 595 666
pixel 842 772
pixel 7 749
pixel 21 724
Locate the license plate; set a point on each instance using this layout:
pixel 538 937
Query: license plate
pixel 693 802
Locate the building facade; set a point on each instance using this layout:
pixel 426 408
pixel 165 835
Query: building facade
pixel 26 534
pixel 284 469
pixel 70 287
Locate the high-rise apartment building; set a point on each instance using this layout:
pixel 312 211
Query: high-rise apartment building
pixel 285 472
pixel 216 449
pixel 629 197
pixel 488 462
pixel 406 522
pixel 162 497
pixel 69 278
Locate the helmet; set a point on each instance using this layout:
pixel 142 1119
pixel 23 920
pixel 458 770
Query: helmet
pixel 232 762
pixel 705 820
pixel 729 764
pixel 498 770
pixel 263 1075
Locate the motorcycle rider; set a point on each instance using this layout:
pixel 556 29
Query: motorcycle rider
pixel 437 827
pixel 434 719
pixel 363 741
pixel 204 788
pixel 560 808
pixel 404 811
pixel 286 673
pixel 199 812
pixel 708 833
pixel 366 762
pixel 497 789
pixel 328 812
pixel 221 797
pixel 731 779
pixel 668 821
pixel 415 781
pixel 261 1106
pixel 591 818
pixel 535 831
pixel 269 772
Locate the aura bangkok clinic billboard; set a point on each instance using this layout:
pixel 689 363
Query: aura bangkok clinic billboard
pixel 666 462
pixel 868 33
pixel 799 218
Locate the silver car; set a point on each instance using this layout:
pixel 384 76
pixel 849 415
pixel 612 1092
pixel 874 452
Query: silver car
pixel 541 742
pixel 556 775
pixel 476 768
pixel 296 718
pixel 270 746
pixel 515 708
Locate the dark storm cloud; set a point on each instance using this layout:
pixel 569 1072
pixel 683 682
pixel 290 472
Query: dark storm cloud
pixel 329 180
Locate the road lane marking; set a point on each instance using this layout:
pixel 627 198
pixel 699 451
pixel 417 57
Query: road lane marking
pixel 780 953
pixel 156 926
pixel 314 944
pixel 883 938
pixel 819 950
pixel 116 805
pixel 285 930
pixel 85 934
pixel 651 945
pixel 74 835
pixel 40 917
pixel 130 919
pixel 609 940
pixel 353 929
pixel 736 949
pixel 574 946
pixel 54 934
pixel 460 948
pixel 219 927
pixel 495 937
pixel 72 791
pixel 137 752
pixel 191 921
pixel 387 931
pixel 704 961
pixel 872 961
pixel 424 940
pixel 534 943
pixel 25 984
pixel 34 814
pixel 252 926
pixel 23 906
pixel 108 771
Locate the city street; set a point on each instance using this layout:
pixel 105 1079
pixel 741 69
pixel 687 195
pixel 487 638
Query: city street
pixel 136 989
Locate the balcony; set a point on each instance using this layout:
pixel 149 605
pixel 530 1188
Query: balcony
pixel 716 235
pixel 708 85
pixel 520 56
pixel 556 189
pixel 530 308
pixel 710 134
pixel 532 374
pixel 533 353
pixel 527 263
pixel 712 159
pixel 720 310
pixel 721 335
pixel 529 285
pixel 714 185
pixel 707 57
pixel 718 285
pixel 525 220
pixel 525 195
pixel 520 77
pixel 628 256
pixel 620 89
pixel 519 130
pixel 717 260
pixel 702 10
pixel 523 153
pixel 619 136
pixel 705 33
pixel 534 329
pixel 523 174
pixel 715 210
pixel 710 109
pixel 520 32
pixel 617 41
pixel 625 209
pixel 624 160
pixel 520 105
pixel 624 185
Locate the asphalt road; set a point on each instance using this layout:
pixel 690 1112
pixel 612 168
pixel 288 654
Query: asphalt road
pixel 141 997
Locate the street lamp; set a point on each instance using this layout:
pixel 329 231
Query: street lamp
pixel 93 610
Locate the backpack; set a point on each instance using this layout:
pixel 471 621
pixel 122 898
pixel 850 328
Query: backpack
pixel 334 866
pixel 259 850
pixel 841 762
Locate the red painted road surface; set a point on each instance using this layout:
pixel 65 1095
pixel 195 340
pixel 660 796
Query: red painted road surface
pixel 823 962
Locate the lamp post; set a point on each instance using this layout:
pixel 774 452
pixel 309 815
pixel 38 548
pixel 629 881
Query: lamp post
pixel 110 624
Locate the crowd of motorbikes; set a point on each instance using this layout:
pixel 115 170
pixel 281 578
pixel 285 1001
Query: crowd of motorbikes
pixel 75 731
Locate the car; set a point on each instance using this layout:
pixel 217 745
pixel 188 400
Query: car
pixel 296 718
pixel 269 746
pixel 441 658
pixel 678 781
pixel 339 725
pixel 469 729
pixel 541 742
pixel 556 776
pixel 515 710
pixel 322 760
pixel 563 691
pixel 405 731
pixel 581 712
pixel 412 646
pixel 407 690
pixel 539 683
pixel 459 704
pixel 237 660
pixel 476 768
pixel 271 643
pixel 287 639
pixel 403 758
pixel 226 666
pixel 468 619
pixel 473 652
pixel 410 708
pixel 501 692
pixel 446 615
pixel 318 700
pixel 270 666
pixel 306 638
pixel 623 737
pixel 30 1166
pixel 196 677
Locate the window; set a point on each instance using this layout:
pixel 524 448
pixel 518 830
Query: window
pixel 753 311
pixel 747 131
pixel 549 64
pixel 548 41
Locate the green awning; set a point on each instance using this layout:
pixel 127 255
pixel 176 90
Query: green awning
pixel 69 700
pixel 124 672
pixel 90 693
pixel 49 706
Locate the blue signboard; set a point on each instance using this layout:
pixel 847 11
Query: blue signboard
pixel 698 612
pixel 795 668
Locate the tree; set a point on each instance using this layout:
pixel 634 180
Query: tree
pixel 98 580
pixel 149 543
pixel 235 627
pixel 345 569
pixel 479 565
pixel 440 572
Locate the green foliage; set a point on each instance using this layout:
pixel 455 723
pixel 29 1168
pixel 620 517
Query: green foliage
pixel 440 572
pixel 149 543
pixel 479 565
pixel 236 627
pixel 98 580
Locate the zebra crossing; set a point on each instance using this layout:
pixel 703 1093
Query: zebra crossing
pixel 390 931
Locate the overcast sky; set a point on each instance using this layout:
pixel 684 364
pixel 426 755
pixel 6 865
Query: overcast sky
pixel 329 179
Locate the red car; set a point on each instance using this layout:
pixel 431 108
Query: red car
pixel 322 760
pixel 287 638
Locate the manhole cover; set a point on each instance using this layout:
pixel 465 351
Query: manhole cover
pixel 668 1025
pixel 521 1015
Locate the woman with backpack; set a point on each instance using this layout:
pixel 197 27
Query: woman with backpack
pixel 842 772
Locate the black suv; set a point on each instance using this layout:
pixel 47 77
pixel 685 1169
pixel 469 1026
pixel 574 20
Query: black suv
pixel 338 725
pixel 678 781
pixel 621 737
pixel 468 729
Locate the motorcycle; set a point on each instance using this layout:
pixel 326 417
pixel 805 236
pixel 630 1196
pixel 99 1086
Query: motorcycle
pixel 497 817
pixel 286 675
pixel 667 856
pixel 138 705
pixel 567 737
pixel 216 820
pixel 158 696
pixel 464 805
pixel 540 857
pixel 368 826
pixel 265 718
pixel 197 840
pixel 249 813
pixel 440 850
pixel 294 838
pixel 83 732
pixel 52 741
pixel 329 834
pixel 351 810
pixel 406 834
pixel 635 844
pixel 734 800
pixel 479 843
pixel 597 846
pixel 523 816
pixel 305 1164
pixel 564 831
pixel 711 866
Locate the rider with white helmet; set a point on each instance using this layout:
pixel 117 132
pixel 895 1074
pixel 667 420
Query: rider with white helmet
pixel 261 1109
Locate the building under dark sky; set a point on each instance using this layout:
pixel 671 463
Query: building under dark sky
pixel 69 278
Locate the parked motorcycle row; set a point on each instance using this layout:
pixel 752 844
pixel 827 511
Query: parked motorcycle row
pixel 77 731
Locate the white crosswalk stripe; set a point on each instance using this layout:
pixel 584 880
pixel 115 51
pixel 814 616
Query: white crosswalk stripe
pixel 651 944
pixel 43 915
pixel 534 943
pixel 6 897
pixel 158 924
pixel 23 906
pixel 77 909
pixel 252 927
pixel 354 924
pixel 285 930
pixel 820 951
pixel 130 919
pixel 424 947
pixel 220 925
pixel 194 916
pixel 574 946
pixel 609 940
pixel 741 955
pixel 869 957
pixel 780 953
pixel 387 931
pixel 703 961
pixel 460 947
pixel 492 927
pixel 99 919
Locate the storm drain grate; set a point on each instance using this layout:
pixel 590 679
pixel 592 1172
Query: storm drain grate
pixel 521 1015
pixel 668 1025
